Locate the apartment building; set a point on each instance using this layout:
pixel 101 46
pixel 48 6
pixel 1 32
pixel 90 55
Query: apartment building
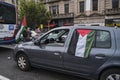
pixel 72 12
pixel 75 12
pixel 92 12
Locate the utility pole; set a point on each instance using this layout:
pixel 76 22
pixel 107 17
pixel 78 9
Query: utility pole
pixel 16 10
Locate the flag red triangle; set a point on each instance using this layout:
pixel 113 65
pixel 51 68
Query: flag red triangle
pixel 83 32
pixel 24 21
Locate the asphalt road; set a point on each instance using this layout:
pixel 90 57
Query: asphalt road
pixel 9 70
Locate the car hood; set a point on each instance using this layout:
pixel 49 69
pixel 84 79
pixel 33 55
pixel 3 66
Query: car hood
pixel 25 44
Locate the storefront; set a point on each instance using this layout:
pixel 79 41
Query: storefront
pixel 112 22
pixel 63 22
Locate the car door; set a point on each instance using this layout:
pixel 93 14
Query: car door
pixel 50 50
pixel 102 49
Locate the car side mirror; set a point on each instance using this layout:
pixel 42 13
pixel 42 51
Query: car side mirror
pixel 36 42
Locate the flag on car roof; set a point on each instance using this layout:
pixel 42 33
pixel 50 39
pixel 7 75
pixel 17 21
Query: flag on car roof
pixel 84 42
pixel 23 27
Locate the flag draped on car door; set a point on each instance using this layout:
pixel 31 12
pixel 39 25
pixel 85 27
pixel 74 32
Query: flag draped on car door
pixel 84 42
pixel 23 27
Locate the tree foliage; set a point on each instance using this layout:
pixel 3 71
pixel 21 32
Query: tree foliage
pixel 35 12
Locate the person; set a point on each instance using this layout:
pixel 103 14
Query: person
pixel 37 30
pixel 34 35
pixel 27 34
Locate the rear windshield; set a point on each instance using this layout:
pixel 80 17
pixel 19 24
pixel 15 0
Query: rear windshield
pixel 7 14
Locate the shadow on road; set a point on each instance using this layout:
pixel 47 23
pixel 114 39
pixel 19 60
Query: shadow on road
pixel 52 75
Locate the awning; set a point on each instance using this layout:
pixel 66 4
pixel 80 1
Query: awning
pixel 67 24
pixel 52 25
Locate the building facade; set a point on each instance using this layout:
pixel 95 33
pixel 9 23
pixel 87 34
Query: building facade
pixel 62 11
pixel 89 12
pixel 75 12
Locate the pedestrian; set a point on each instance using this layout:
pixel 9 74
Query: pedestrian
pixel 26 35
pixel 37 30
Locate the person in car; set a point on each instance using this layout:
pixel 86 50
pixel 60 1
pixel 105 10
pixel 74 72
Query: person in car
pixel 27 35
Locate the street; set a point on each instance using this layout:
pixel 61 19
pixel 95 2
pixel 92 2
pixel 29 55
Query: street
pixel 10 71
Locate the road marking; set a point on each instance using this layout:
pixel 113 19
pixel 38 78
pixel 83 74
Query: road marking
pixel 3 78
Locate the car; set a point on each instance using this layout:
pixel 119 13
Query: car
pixel 92 52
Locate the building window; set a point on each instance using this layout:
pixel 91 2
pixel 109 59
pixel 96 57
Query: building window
pixel 95 5
pixel 54 9
pixel 115 3
pixel 13 2
pixel 66 8
pixel 81 5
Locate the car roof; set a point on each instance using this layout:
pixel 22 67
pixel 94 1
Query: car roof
pixel 89 27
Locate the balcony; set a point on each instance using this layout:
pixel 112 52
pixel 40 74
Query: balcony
pixel 112 11
pixel 43 1
pixel 89 14
pixel 82 15
pixel 59 16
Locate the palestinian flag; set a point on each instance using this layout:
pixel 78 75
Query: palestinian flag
pixel 84 42
pixel 23 27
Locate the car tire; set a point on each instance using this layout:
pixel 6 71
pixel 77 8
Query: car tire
pixel 23 62
pixel 111 74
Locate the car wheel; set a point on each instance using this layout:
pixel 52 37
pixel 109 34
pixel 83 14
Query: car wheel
pixel 23 62
pixel 112 74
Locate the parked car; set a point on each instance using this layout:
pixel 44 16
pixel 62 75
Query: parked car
pixel 91 52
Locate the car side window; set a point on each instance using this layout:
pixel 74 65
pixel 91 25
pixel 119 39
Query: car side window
pixel 55 38
pixel 103 39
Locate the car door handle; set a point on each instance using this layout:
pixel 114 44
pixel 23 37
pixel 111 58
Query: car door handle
pixel 57 54
pixel 100 56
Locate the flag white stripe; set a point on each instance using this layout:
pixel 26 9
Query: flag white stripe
pixel 19 33
pixel 81 45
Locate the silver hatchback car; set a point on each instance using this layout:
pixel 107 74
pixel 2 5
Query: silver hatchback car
pixel 85 51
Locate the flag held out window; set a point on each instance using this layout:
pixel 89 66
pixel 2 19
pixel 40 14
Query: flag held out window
pixel 84 42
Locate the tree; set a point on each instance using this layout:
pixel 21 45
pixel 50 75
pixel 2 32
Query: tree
pixel 35 12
